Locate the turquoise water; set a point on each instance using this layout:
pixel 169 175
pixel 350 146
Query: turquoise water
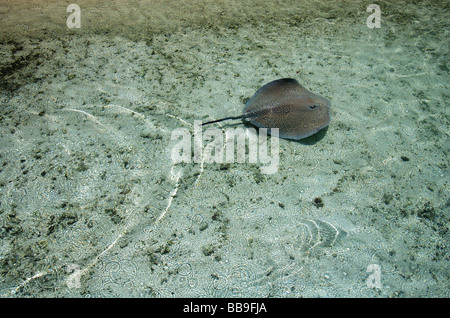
pixel 93 204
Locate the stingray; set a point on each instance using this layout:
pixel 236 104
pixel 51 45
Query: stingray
pixel 288 106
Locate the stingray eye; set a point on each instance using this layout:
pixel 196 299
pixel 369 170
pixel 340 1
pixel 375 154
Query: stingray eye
pixel 312 106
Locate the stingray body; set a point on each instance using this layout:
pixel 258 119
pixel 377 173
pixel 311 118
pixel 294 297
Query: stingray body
pixel 288 106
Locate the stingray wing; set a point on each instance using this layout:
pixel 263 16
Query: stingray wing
pixel 274 92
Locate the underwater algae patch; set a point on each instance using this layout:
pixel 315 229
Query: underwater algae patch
pixel 18 61
pixel 139 19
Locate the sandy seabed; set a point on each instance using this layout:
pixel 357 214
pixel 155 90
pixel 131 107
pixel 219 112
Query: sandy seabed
pixel 92 204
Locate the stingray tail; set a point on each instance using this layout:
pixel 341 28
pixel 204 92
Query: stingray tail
pixel 222 119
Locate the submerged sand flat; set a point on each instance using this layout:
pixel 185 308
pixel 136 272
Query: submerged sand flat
pixel 92 205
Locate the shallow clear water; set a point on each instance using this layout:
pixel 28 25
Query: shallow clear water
pixel 93 204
